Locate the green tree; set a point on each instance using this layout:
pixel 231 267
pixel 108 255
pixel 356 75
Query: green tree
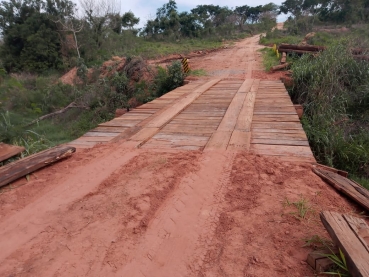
pixel 30 37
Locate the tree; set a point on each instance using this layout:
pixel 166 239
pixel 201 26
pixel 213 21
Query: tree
pixel 129 20
pixel 242 14
pixel 31 39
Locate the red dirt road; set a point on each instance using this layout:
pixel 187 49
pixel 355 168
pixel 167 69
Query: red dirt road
pixel 117 211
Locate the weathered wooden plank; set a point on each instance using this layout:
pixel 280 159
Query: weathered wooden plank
pixel 281 150
pixel 275 130
pixel 176 142
pixel 109 129
pixel 277 125
pixel 332 169
pixel 276 118
pixel 20 168
pixel 172 111
pixel 356 254
pixel 277 135
pixel 350 188
pixel 360 229
pixel 181 137
pixel 246 86
pixel 244 119
pixel 219 140
pixel 7 151
pixel 100 134
pixel 118 123
pixel 279 141
pixel 229 120
pixel 144 134
pixel 240 140
pixel 100 139
pixel 151 145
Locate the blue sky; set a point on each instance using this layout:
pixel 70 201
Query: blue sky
pixel 146 9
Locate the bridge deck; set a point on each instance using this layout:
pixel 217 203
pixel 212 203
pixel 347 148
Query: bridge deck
pixel 251 115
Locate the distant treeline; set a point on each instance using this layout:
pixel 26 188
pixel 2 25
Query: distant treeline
pixel 38 35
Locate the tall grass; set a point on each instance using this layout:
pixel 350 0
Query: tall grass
pixel 334 89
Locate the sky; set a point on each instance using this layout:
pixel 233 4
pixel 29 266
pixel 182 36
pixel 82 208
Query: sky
pixel 146 9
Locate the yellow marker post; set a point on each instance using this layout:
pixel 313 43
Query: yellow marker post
pixel 186 67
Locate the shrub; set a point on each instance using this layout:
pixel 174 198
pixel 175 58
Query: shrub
pixel 169 79
pixel 334 89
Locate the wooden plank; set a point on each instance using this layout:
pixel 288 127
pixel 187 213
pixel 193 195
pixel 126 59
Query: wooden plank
pixel 246 86
pixel 177 147
pixel 99 139
pixel 172 111
pixel 144 134
pixel 360 229
pixel 339 172
pixel 118 123
pixel 219 140
pixel 239 141
pixel 7 151
pixel 283 136
pixel 356 254
pixel 279 141
pixel 184 137
pixel 350 188
pixel 244 119
pixel 229 120
pixel 109 129
pixel 277 125
pixel 176 142
pixel 276 118
pixel 275 130
pixel 100 134
pixel 281 150
pixel 20 168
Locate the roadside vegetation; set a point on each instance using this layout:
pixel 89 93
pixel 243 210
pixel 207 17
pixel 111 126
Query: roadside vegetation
pixel 333 86
pixel 42 40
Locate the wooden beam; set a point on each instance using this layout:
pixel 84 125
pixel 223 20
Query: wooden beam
pixel 20 168
pixel 350 235
pixel 7 151
pixel 353 190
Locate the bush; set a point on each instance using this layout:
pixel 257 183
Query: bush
pixel 334 89
pixel 169 79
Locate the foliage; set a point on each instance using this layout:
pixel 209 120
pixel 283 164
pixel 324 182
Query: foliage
pixel 169 79
pixel 31 40
pixel 340 263
pixel 334 89
pixel 279 37
pixel 269 58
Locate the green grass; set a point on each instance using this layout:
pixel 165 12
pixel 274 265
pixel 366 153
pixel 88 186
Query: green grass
pixel 361 180
pixel 198 72
pixel 269 58
pixel 278 37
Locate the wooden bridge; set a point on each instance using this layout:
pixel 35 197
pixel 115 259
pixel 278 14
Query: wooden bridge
pixel 218 114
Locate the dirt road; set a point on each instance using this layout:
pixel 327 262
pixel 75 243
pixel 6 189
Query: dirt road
pixel 114 210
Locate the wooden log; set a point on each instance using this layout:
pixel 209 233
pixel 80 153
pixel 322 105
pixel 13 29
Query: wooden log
pixel 20 168
pixel 7 151
pixel 310 48
pixel 352 189
pixel 279 67
pixel 350 235
pixel 283 58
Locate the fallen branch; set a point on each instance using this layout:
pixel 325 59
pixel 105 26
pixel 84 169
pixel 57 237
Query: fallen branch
pixel 70 106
